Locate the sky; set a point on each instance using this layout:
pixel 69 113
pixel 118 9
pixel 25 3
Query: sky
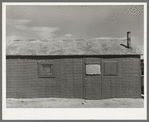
pixel 26 22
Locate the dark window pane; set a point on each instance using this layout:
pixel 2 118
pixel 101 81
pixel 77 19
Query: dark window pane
pixel 46 68
pixel 110 68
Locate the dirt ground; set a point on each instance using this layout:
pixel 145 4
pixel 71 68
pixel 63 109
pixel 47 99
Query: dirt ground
pixel 74 103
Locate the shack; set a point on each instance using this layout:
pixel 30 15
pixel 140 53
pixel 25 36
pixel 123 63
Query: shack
pixel 73 68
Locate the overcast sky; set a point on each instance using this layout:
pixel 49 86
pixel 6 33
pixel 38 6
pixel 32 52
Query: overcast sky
pixel 46 22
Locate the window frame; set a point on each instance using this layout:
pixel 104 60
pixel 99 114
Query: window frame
pixel 105 70
pixel 40 75
pixel 93 64
pixel 142 67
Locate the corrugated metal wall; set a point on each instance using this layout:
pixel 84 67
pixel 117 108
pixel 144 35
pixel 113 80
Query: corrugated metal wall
pixel 23 81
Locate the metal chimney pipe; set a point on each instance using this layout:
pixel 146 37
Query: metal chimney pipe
pixel 128 39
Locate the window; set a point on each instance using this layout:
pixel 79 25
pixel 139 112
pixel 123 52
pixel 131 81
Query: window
pixel 46 70
pixel 110 68
pixel 93 69
pixel 142 67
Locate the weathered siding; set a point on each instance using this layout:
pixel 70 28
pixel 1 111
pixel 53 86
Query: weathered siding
pixel 93 84
pixel 69 81
pixel 127 83
pixel 23 81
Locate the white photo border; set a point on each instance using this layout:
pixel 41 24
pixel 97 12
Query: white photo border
pixel 71 113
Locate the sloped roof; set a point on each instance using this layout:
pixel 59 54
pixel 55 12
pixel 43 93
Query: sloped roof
pixel 71 47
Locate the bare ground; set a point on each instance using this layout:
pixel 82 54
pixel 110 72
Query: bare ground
pixel 74 103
